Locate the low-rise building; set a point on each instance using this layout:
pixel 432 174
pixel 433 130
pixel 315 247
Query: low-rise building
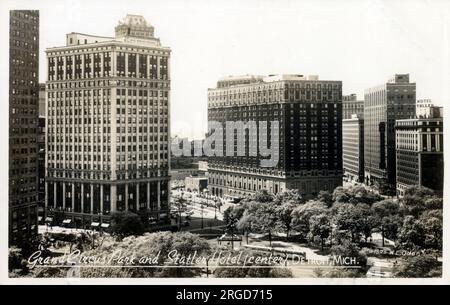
pixel 196 183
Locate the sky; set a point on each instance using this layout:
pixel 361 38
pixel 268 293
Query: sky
pixel 360 42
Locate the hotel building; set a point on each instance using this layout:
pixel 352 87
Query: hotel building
pixel 420 153
pixel 107 134
pixel 426 109
pixel 309 112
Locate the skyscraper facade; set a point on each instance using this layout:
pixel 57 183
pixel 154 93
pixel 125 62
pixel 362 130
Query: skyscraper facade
pixel 383 105
pixel 107 133
pixel 23 121
pixel 41 153
pixel 353 147
pixel 420 153
pixel 309 113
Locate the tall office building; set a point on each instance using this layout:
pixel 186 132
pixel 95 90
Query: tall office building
pixel 107 133
pixel 353 147
pixel 351 105
pixel 309 112
pixel 23 120
pixel 420 153
pixel 383 105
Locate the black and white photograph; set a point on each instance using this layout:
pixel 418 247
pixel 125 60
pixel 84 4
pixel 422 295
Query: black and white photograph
pixel 238 142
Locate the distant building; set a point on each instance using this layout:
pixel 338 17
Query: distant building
pixel 351 105
pixel 309 112
pixel 196 183
pixel 420 153
pixel 353 148
pixel 203 166
pixel 426 109
pixel 188 163
pixel 383 105
pixel 23 124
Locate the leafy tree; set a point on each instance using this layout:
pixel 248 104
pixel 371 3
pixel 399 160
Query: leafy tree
pixel 355 194
pixel 265 220
pixel 412 233
pixel 260 217
pixel 340 195
pixel 319 225
pixel 348 218
pixel 263 196
pixel 434 203
pixel 236 212
pixel 245 216
pixel 432 223
pixel 180 204
pixel 302 214
pixel 325 197
pixel 391 226
pixel 284 215
pixel 17 263
pixel 422 266
pixel 292 196
pixel 387 214
pixel 126 223
pixel 366 221
pixel 415 199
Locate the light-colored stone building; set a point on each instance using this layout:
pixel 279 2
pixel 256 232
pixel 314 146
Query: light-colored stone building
pixel 107 134
pixel 420 153
pixel 353 148
pixel 383 105
pixel 196 183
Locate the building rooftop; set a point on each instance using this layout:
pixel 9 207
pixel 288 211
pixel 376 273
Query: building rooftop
pixel 240 80
pixel 133 29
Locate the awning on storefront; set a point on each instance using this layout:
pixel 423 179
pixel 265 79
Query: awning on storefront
pixel 67 220
pixel 95 224
pixel 163 215
pixel 105 225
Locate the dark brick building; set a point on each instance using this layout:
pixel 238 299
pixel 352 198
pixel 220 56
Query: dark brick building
pixel 23 123
pixel 309 113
